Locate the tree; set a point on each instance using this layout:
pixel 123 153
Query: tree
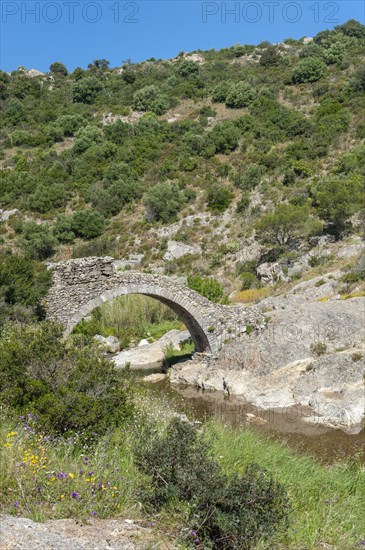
pixel 88 223
pixel 240 95
pixel 22 280
pixel 309 69
pixel 87 90
pixel 287 224
pixel 352 28
pixel 58 69
pixel 337 199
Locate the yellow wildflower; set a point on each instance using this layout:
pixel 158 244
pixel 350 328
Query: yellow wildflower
pixel 71 476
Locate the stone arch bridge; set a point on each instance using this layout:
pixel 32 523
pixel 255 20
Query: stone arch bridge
pixel 80 285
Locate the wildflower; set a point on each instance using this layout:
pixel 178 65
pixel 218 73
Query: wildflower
pixel 75 495
pixel 86 459
pixel 71 475
pixel 62 497
pixel 16 504
pixel 11 434
pixel 93 513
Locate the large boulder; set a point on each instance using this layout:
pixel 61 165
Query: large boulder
pixel 151 356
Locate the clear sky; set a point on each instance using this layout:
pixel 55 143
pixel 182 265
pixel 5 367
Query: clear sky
pixel 36 33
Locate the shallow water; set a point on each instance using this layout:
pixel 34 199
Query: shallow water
pixel 286 426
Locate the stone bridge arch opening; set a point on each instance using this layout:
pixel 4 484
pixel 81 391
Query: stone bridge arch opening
pixel 196 331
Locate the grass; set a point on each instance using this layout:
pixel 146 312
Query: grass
pixel 41 478
pixel 251 296
pixel 328 502
pixel 131 318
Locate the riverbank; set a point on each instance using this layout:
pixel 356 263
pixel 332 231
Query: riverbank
pixel 327 502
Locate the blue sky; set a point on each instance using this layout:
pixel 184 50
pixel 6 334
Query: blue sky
pixel 36 33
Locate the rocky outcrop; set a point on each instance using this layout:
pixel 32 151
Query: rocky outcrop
pixel 176 249
pixel 6 214
pixel 311 354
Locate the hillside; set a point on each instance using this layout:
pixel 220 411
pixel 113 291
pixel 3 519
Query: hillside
pixel 233 163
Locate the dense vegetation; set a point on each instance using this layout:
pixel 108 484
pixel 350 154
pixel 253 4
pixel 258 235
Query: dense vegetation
pixel 96 159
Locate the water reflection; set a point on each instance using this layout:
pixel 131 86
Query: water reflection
pixel 287 426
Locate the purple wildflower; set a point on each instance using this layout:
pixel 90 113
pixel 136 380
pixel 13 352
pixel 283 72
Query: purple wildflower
pixel 93 513
pixel 75 495
pixel 16 504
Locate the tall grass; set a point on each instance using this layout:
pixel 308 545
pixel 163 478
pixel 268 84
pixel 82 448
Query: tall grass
pixel 328 501
pixel 131 318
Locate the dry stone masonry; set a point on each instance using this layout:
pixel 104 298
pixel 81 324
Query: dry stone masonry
pixel 79 286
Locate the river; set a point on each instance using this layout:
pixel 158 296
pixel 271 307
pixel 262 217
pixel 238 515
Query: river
pixel 286 426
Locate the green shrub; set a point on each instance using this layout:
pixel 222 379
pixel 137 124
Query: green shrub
pixel 63 229
pixel 309 69
pixel 224 512
pixel 163 202
pixel 71 387
pixel 270 57
pixel 150 98
pixel 319 348
pixel 240 95
pixel 208 287
pixel 88 223
pixel 38 240
pixel 87 90
pixel 219 198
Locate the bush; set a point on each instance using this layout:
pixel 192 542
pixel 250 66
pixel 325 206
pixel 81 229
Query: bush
pixel 88 223
pixel 309 69
pixel 240 95
pixel 318 348
pixel 58 69
pixel 219 198
pixel 63 229
pixel 23 283
pixel 208 287
pixel 220 92
pixel 87 90
pixel 38 241
pixel 270 57
pixel 150 98
pixel 187 68
pixel 71 387
pixel 232 512
pixel 163 202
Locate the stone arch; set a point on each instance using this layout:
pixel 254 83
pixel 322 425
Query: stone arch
pixel 80 285
pixel 189 315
